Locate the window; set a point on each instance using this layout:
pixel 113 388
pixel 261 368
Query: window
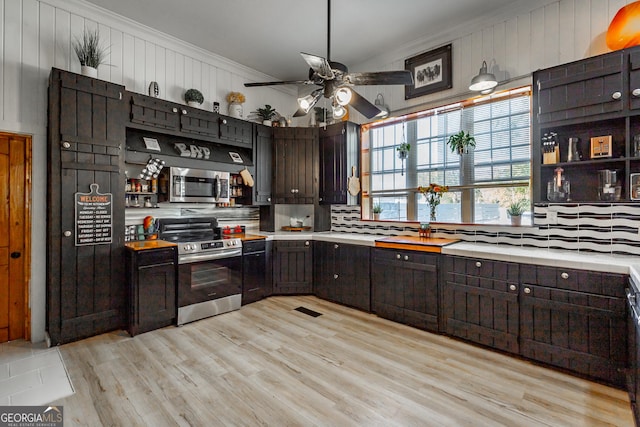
pixel 482 183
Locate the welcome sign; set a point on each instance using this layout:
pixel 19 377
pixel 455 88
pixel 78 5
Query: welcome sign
pixel 94 217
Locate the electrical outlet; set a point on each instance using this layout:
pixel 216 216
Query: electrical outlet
pixel 552 217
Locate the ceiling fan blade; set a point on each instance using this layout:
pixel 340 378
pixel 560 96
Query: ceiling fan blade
pixel 319 64
pixel 290 82
pixel 400 77
pixel 365 108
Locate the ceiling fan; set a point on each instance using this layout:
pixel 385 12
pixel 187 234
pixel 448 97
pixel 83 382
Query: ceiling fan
pixel 336 82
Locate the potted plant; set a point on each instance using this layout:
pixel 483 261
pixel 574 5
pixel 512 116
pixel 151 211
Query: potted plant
pixel 266 114
pixel 403 150
pixel 377 210
pixel 89 52
pixel 515 211
pixel 460 142
pixel 193 97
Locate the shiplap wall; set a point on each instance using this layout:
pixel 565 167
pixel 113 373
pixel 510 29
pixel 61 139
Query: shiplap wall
pixel 532 35
pixel 36 35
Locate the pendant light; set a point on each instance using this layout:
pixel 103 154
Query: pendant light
pixel 484 80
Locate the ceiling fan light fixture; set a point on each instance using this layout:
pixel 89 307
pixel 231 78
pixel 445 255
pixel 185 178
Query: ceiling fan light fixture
pixel 484 80
pixel 343 96
pixel 307 102
pixel 338 111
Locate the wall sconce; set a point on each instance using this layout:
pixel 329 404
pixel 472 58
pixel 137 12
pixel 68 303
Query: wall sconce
pixel 624 29
pixel 484 81
pixel 384 108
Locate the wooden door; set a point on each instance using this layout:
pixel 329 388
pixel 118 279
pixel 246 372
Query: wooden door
pixel 14 241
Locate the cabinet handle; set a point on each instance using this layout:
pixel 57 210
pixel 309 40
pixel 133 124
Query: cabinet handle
pixel 66 145
pixel 527 290
pixel 335 246
pixel 306 243
pixel 268 199
pixel 478 264
pixel 512 287
pixel 174 109
pixel 406 257
pixel 67 233
pixel 119 96
pixel 184 112
pixel 398 256
pixel 335 276
pixel 565 276
pixel 636 92
pixel 223 121
pixel 293 190
pixel 616 95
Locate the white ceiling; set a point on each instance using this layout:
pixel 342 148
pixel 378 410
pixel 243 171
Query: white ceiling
pixel 268 35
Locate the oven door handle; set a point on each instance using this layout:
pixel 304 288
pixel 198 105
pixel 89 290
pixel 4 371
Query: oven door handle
pixel 189 258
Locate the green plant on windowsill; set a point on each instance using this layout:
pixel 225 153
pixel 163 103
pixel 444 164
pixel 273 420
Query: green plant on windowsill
pixel 377 209
pixel 516 209
pixel 460 142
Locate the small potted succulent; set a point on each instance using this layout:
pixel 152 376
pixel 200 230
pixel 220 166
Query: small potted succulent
pixel 460 142
pixel 90 53
pixel 515 211
pixel 377 210
pixel 193 97
pixel 266 114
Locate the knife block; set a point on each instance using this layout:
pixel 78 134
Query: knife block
pixel 552 157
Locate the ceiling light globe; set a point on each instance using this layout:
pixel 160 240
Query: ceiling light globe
pixel 339 111
pixel 343 96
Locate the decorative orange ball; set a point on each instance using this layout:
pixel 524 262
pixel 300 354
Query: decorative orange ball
pixel 624 29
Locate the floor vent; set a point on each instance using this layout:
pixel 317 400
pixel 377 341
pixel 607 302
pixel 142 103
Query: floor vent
pixel 308 312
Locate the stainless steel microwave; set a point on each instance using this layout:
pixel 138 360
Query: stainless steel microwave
pixel 198 185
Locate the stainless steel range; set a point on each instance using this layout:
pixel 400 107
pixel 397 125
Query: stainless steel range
pixel 209 267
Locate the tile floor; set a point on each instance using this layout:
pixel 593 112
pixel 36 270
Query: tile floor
pixel 32 374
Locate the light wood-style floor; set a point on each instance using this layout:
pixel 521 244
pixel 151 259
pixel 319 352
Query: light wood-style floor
pixel 269 365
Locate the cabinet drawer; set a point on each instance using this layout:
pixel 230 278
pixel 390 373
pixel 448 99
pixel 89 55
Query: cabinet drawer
pixel 155 257
pixel 478 267
pixel 405 256
pixel 592 282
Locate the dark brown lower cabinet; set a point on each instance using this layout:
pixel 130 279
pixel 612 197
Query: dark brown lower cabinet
pixel 292 267
pixel 480 302
pixel 152 275
pixel 341 274
pixel 405 287
pixel 256 270
pixel 579 331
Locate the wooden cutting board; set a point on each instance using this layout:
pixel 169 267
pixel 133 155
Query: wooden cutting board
pixel 414 243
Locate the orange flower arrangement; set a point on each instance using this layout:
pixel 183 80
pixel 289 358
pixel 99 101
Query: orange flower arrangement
pixel 432 194
pixel 236 97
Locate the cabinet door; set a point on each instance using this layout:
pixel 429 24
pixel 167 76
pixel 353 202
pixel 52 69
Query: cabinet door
pixel 352 268
pixel 263 159
pixel 295 172
pixel 405 287
pixel 154 112
pixel 480 303
pixel 199 123
pixel 236 132
pixel 323 270
pixel 339 152
pixel 577 321
pixel 580 89
pixel 86 292
pixel 634 78
pixel 292 267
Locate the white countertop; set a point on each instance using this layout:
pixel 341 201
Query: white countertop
pixel 621 264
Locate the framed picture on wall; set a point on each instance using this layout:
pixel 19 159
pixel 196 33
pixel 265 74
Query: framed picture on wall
pixel 431 72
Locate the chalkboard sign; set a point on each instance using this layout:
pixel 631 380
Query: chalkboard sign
pixel 94 217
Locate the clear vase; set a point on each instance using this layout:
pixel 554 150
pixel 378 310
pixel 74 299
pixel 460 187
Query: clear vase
pixel 432 212
pixel 235 110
